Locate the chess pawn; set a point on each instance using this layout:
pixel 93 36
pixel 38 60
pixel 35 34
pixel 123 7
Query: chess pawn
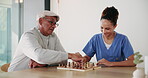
pixel 79 66
pixel 62 65
pixel 91 65
pixel 65 65
pixel 87 64
pixel 75 65
pixel 82 65
pixel 95 65
pixel 69 64
pixel 59 65
pixel 72 65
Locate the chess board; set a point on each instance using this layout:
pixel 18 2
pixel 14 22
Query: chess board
pixel 78 67
pixel 74 69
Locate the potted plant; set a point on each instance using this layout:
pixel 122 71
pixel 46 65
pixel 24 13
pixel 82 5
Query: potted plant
pixel 138 73
pixel 137 58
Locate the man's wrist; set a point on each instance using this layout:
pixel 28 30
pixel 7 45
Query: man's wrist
pixel 112 63
pixel 69 55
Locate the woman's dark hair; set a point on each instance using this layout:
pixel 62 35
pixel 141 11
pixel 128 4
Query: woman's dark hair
pixel 111 14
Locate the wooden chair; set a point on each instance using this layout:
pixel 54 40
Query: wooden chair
pixel 5 67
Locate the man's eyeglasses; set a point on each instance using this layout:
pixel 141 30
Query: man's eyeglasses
pixel 51 22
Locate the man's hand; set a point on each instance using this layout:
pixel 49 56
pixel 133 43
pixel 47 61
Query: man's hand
pixel 33 64
pixel 78 54
pixel 77 57
pixel 104 62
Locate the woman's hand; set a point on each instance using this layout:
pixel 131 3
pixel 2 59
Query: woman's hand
pixel 104 62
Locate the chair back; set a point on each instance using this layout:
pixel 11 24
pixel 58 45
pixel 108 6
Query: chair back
pixel 5 67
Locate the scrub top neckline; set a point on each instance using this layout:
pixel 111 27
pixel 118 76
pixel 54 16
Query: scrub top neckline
pixel 111 43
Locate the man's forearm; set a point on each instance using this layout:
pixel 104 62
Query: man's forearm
pixel 123 63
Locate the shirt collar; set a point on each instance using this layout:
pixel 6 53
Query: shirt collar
pixel 45 37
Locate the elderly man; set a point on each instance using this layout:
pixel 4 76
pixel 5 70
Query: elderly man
pixel 40 46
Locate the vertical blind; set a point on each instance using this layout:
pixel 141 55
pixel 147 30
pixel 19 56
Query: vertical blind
pixel 5 35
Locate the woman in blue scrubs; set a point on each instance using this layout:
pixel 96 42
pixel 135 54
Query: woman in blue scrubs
pixel 111 48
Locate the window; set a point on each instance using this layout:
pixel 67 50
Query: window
pixel 5 35
pixel 10 29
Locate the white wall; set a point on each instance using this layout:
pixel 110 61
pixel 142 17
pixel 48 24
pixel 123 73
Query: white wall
pixel 14 25
pixel 80 21
pixel 6 3
pixel 31 9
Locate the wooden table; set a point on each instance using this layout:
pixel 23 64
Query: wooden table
pixel 52 72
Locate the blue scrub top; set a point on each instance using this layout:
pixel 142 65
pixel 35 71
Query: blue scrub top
pixel 118 51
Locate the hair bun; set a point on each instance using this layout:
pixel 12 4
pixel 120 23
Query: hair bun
pixel 110 13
